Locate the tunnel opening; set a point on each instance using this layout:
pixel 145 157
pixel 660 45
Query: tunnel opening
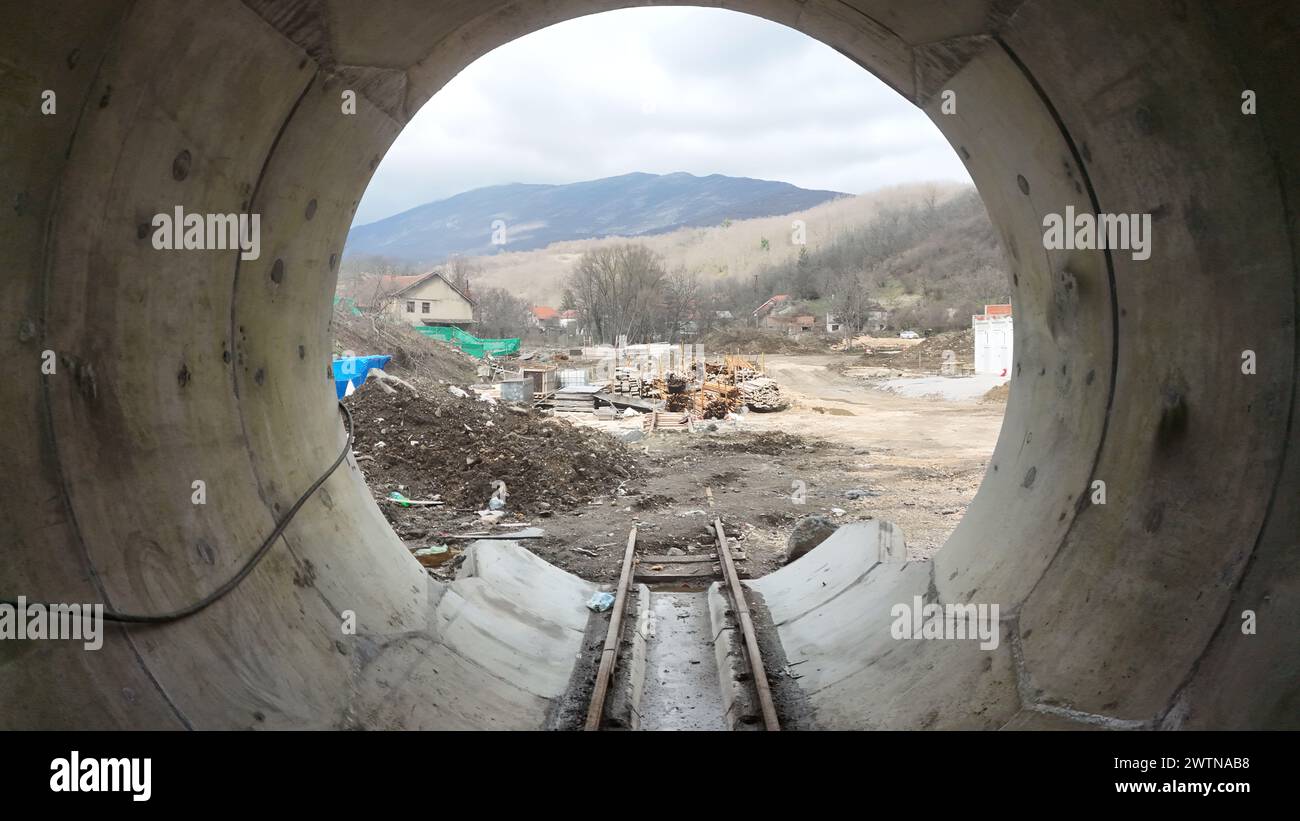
pixel 867 268
pixel 179 367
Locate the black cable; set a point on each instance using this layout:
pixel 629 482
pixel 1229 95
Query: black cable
pixel 233 582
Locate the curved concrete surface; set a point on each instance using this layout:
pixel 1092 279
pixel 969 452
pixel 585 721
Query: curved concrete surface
pixel 175 367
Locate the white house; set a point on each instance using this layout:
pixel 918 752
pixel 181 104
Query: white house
pixel 425 299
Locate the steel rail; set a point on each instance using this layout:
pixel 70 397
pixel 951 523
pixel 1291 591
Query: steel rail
pixel 752 654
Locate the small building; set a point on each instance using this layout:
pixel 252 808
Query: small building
pixel 771 305
pixel 569 318
pixel 790 324
pixel 423 299
pixel 994 340
pixel 544 317
pixel 803 323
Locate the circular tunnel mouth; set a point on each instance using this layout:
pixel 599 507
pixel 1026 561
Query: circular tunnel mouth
pixel 179 368
pixel 386 481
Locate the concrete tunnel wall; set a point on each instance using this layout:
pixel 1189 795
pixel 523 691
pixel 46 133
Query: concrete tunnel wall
pixel 182 366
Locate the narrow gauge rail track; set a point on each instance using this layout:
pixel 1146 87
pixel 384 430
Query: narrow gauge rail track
pixel 726 574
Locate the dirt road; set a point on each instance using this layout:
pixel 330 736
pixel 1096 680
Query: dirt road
pixel 914 462
pixel 842 449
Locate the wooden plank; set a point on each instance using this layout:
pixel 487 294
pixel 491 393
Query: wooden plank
pixel 624 403
pixel 673 578
pixel 737 555
pixel 605 673
pixel 474 537
pixel 752 653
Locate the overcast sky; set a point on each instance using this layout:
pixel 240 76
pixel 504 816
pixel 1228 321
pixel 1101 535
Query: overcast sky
pixel 705 91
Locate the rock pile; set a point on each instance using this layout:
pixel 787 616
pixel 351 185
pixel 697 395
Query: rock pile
pixel 763 394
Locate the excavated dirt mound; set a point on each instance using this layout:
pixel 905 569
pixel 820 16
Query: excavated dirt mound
pixel 753 341
pixel 413 354
pixel 457 448
pixel 927 355
pixel 997 395
pixel 768 443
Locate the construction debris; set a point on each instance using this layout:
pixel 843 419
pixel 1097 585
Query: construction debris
pixel 576 398
pixel 434 555
pixel 455 450
pixel 600 602
pixel 663 420
pixel 400 500
pixel 763 394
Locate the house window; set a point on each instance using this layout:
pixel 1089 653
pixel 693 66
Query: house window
pixel 424 307
pixel 410 307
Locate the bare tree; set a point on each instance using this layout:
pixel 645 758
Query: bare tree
pixel 362 266
pixel 619 290
pixel 378 293
pixel 462 271
pixel 851 304
pixel 681 292
pixel 501 314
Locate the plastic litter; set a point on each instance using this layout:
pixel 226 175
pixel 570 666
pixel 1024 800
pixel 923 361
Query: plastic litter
pixel 600 602
pixel 434 555
pixel 499 494
pixel 350 372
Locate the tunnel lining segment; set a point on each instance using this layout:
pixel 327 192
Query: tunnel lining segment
pixel 260 429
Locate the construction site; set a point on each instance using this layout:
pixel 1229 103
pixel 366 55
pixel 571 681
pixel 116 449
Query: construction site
pixel 660 479
pixel 293 522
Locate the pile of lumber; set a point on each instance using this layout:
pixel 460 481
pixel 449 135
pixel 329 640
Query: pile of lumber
pixel 675 389
pixel 627 380
pixel 662 420
pixel 715 401
pixel 715 407
pixel 762 394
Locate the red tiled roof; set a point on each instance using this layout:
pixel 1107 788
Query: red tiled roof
pixel 544 312
pixel 772 302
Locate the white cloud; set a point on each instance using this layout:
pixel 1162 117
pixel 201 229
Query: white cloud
pixel 705 91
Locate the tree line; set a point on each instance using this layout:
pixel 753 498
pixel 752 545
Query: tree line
pixel 935 263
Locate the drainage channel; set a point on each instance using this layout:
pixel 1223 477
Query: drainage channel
pixel 678 657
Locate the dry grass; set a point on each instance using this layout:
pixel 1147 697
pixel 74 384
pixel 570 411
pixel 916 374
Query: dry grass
pixel 717 253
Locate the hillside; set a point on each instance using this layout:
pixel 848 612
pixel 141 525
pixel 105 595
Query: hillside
pixel 719 253
pixel 535 216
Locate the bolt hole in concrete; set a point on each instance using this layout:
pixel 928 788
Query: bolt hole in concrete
pixel 1189 434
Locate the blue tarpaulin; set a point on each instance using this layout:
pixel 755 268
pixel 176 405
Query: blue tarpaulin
pixel 354 369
